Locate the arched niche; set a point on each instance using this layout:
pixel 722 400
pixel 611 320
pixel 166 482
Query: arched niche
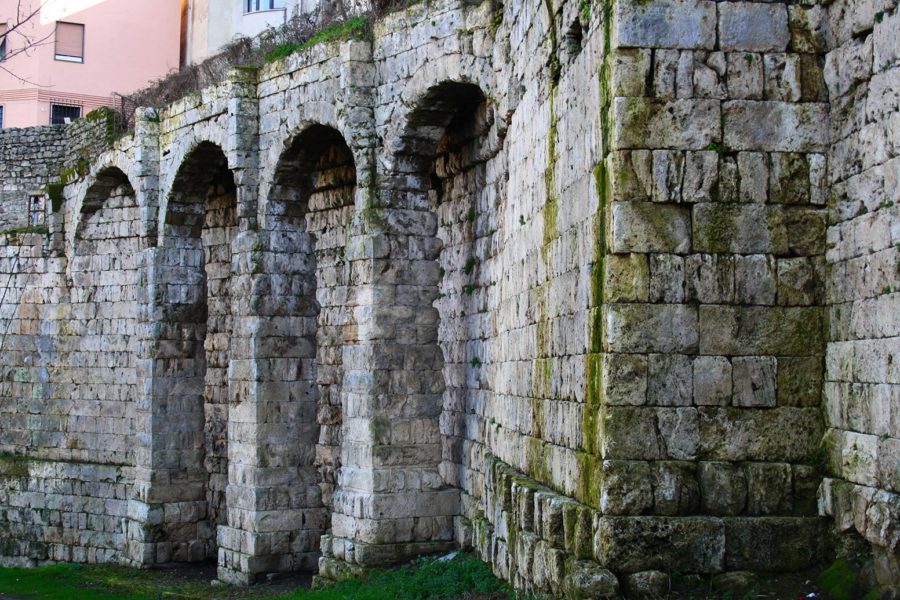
pixel 193 348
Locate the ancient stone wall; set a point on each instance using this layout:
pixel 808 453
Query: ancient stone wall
pixel 31 158
pixel 546 280
pixel 862 491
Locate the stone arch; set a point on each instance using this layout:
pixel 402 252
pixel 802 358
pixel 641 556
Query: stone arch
pixel 441 160
pixel 197 227
pixel 82 196
pixel 309 211
pixel 103 333
pixel 398 377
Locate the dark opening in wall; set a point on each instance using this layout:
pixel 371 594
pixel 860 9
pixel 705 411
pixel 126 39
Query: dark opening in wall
pixel 573 40
pixel 200 225
pixel 311 207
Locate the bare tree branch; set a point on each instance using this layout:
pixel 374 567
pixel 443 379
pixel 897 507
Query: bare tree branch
pixel 26 13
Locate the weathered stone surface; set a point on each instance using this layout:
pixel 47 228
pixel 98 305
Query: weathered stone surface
pixel 757 544
pixel 632 544
pixel 753 27
pixel 723 488
pixel 585 580
pixel 647 585
pixel 648 227
pixel 677 124
pixel 775 126
pixel 665 24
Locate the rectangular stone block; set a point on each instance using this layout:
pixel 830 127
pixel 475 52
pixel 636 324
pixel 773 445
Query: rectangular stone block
pixel 761 330
pixel 677 124
pixel 753 27
pixel 739 228
pixel 652 328
pixel 687 544
pixel 773 544
pixel 775 126
pixel 650 227
pixel 771 434
pixel 665 24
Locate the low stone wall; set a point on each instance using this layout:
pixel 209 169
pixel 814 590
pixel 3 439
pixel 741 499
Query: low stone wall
pixel 56 511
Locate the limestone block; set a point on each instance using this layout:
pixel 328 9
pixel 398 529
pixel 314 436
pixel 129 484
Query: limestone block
pixel 687 544
pixel 630 433
pixel 651 328
pixel 889 463
pixel 625 488
pixel 649 227
pixel 776 126
pixel 784 434
pixel 882 518
pixel 799 281
pixel 754 27
pixel 770 489
pixel 799 380
pixel 709 278
pixel 677 124
pixel 625 378
pixel 753 175
pixel 587 580
pixel 754 381
pixel 886 48
pixel 755 279
pixel 701 177
pixel 629 71
pixel 723 488
pixel 709 74
pixel 675 488
pixel 668 173
pixel 745 75
pixel 712 381
pixel 631 175
pixel 745 229
pixel 679 430
pixel 773 544
pixel 670 380
pixel 760 330
pixel 859 458
pixel 627 278
pixel 789 181
pixel 647 585
pixel 666 24
pixel 808 25
pixel 665 72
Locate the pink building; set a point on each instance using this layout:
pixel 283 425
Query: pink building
pixel 82 51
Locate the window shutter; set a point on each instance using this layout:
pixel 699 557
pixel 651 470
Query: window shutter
pixel 70 39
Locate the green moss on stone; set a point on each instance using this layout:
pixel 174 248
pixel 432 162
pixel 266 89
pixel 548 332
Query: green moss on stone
pixel 720 230
pixel 13 466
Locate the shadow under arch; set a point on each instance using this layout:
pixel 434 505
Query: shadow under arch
pixel 192 350
pixel 406 441
pixel 309 211
pixel 444 150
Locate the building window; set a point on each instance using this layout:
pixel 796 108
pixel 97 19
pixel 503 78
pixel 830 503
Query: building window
pixel 37 211
pixel 62 114
pixel 70 42
pixel 3 28
pixel 258 5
